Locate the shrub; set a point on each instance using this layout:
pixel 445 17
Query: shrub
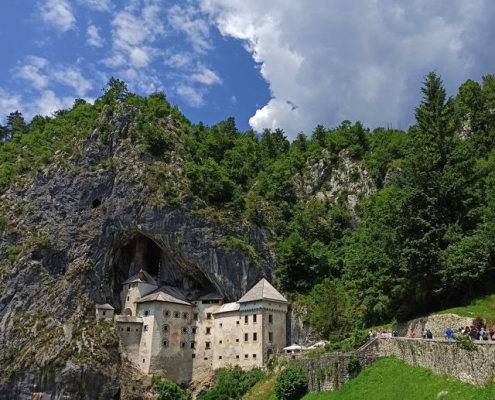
pixel 291 384
pixel 168 390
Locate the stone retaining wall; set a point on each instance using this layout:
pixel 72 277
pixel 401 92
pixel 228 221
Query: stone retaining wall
pixel 330 371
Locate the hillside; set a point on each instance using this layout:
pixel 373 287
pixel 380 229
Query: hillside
pixel 357 226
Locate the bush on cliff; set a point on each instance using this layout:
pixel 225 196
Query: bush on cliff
pixel 291 384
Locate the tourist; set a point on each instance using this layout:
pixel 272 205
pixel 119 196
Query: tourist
pixel 423 333
pixel 429 334
pixel 449 334
pixel 491 334
pixel 482 334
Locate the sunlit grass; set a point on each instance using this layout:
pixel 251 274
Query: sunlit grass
pixel 483 307
pixel 389 378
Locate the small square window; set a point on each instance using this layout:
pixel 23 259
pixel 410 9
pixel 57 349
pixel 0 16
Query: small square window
pixel 193 345
pixel 165 343
pixel 219 357
pixel 176 314
pixel 237 340
pixel 237 356
pixel 196 316
pixel 254 355
pixel 246 337
pixel 128 329
pixel 208 315
pixel 220 341
pixel 246 356
pixel 237 322
pixel 270 336
pixel 127 298
pixel 146 313
pixel 104 312
pixel 220 324
pixel 184 329
pixel 207 345
pixel 206 358
pixel 193 329
pixel 194 356
pixel 208 331
pixel 144 360
pixel 145 328
pixel 182 345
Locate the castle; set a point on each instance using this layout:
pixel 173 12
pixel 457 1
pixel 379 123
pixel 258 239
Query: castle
pixel 184 334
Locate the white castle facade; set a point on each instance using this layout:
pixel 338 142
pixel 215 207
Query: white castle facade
pixel 185 334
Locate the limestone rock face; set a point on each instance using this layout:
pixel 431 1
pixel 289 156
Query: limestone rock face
pixel 71 233
pixel 346 182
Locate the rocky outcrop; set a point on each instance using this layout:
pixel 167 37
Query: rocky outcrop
pixel 71 233
pixel 345 181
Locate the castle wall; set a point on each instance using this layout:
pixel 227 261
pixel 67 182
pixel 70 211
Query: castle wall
pixel 129 331
pixel 134 291
pixel 274 328
pixel 205 342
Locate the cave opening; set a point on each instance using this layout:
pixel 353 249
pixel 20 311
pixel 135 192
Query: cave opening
pixel 96 203
pixel 153 258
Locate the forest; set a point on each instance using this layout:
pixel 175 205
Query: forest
pixel 422 241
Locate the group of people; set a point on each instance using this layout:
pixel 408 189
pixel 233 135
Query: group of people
pixel 470 331
pixel 382 334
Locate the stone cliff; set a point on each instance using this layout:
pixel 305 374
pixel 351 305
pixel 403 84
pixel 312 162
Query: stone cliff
pixel 73 231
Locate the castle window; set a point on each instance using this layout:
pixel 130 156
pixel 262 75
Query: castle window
pixel 145 328
pixel 219 357
pixel 185 315
pixel 194 356
pixel 246 356
pixel 208 331
pixel 206 358
pixel 193 330
pixel 237 340
pixel 127 298
pixel 193 345
pixel 182 345
pixel 254 318
pixel 165 343
pixel 246 319
pixel 220 341
pixel 166 313
pixel 220 324
pixel 254 355
pixel 146 313
pixel 255 337
pixel 176 314
pixel 237 356
pixel 237 322
pixel 270 318
pixel 104 312
pixel 270 336
pixel 128 329
pixel 144 360
pixel 166 328
pixel 184 329
pixel 196 316
pixel 246 337
pixel 207 345
pixel 208 315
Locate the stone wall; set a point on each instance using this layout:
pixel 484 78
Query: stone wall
pixel 436 323
pixel 330 371
pixel 441 356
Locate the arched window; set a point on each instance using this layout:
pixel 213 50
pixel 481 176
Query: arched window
pixel 185 315
pixel 184 329
pixel 182 345
pixel 165 343
pixel 166 313
pixel 166 328
pixel 176 314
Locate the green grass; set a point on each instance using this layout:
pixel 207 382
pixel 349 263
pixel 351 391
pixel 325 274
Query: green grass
pixel 483 307
pixel 263 390
pixel 389 378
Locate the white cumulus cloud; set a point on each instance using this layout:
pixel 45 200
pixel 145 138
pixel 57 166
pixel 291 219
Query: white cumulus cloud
pixel 58 13
pixel 93 36
pixel 328 60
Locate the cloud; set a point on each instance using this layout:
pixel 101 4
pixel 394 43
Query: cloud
pixel 72 77
pixel 58 13
pixel 41 75
pixel 93 36
pixel 328 60
pixel 8 103
pixel 31 72
pixel 99 5
pixel 189 21
pixel 233 100
pixel 206 76
pixel 47 103
pixel 192 96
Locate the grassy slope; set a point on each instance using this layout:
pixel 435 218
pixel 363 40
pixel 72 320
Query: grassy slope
pixel 264 390
pixel 484 307
pixel 389 378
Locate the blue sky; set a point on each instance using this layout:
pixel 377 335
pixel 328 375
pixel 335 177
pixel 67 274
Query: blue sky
pixel 268 63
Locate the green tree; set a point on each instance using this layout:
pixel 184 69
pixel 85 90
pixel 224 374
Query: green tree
pixel 291 384
pixel 168 390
